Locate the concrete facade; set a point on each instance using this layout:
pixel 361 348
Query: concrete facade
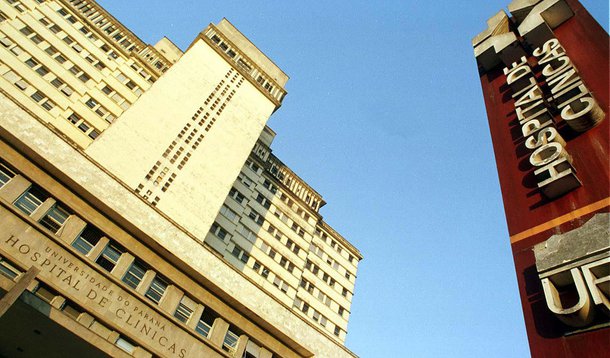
pixel 128 265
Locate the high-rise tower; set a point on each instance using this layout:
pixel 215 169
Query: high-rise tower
pixel 121 233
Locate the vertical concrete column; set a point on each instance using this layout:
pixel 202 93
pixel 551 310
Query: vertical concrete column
pixel 242 342
pixel 85 319
pixel 71 229
pixel 58 301
pixel 41 211
pixel 265 353
pixel 18 288
pixel 171 299
pixel 122 265
pixel 149 276
pixel 218 331
pixel 192 323
pixel 101 330
pixel 113 337
pixel 14 188
pixel 140 352
pixel 33 285
pixel 97 249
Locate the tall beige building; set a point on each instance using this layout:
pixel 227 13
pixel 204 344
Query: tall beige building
pixel 142 212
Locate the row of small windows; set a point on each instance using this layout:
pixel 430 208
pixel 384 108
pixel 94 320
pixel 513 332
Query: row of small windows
pixel 315 269
pixel 321 296
pixel 257 266
pixel 244 64
pixel 333 244
pixel 99 21
pixel 40 98
pixel 180 150
pixel 239 253
pixel 43 71
pixel 91 237
pixel 68 307
pixel 315 315
pixel 86 55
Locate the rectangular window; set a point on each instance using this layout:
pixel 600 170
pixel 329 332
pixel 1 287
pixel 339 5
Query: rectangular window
pixel 29 201
pixel 87 239
pixel 183 312
pixel 135 274
pixel 219 231
pixel 5 174
pixel 109 257
pixel 240 254
pixel 125 345
pixel 7 269
pixel 337 331
pixel 55 218
pixel 230 342
pixel 156 290
pixel 228 213
pixel 205 322
pixel 260 198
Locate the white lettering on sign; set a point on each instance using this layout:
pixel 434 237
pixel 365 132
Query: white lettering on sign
pixel 554 173
pixel 591 283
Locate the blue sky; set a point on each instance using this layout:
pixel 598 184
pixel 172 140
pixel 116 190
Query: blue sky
pixel 385 118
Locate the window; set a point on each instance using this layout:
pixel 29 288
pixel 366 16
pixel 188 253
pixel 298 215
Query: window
pixel 323 321
pixel 230 342
pixel 109 257
pixel 322 297
pixel 272 188
pixel 60 85
pixel 29 201
pixel 316 315
pixel 135 274
pixel 240 254
pixel 55 218
pixel 206 321
pixel 228 213
pixel 184 312
pixel 351 258
pixel 337 331
pixel 7 269
pixel 245 180
pixel 344 292
pixel 256 217
pixel 5 174
pixel 316 250
pixel 260 198
pixel 247 234
pixel 203 328
pixel 156 290
pixel 341 311
pixel 26 31
pixel 279 283
pixel 235 194
pixel 125 345
pixel 88 238
pixel 219 231
pixel 55 29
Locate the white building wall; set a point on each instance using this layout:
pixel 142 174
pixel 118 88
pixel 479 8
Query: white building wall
pixel 139 138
